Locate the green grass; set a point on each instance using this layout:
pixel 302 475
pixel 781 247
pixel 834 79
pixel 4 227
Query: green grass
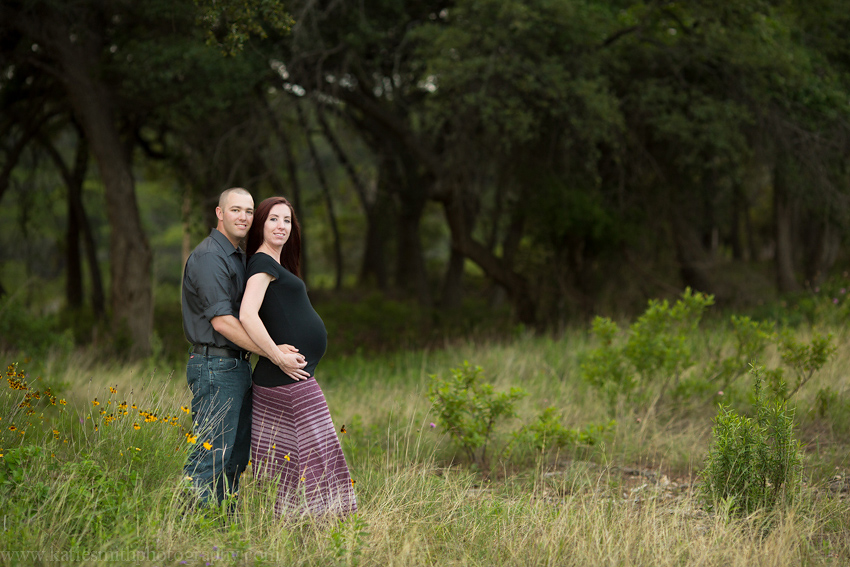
pixel 87 496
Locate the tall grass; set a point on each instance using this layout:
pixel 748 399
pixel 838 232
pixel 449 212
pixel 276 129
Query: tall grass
pixel 85 496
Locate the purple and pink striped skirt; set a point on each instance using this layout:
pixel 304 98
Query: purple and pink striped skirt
pixel 294 442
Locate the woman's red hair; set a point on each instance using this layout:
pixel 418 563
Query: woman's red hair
pixel 290 255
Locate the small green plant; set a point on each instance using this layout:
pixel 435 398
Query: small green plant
pixel 470 410
pixel 605 367
pixel 659 348
pixel 547 432
pixel 751 339
pixel 803 359
pixel 753 463
pixel 348 539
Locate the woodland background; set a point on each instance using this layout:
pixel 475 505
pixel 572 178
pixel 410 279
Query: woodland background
pixel 456 165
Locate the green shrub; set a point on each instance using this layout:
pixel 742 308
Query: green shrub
pixel 803 359
pixel 547 432
pixel 659 348
pixel 470 409
pixel 753 463
pixel 751 339
pixel 605 367
pixel 31 335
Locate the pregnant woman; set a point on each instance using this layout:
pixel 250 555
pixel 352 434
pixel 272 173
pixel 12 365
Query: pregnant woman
pixel 293 438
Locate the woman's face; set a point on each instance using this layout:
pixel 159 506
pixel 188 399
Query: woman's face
pixel 277 227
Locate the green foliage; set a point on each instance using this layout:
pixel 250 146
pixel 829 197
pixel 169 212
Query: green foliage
pixel 470 410
pixel 31 335
pixel 662 344
pixel 13 466
pixel 803 359
pixel 348 540
pixel 229 24
pixel 547 432
pixel 753 463
pixel 751 338
pixel 605 367
pixel 658 349
pixel 372 323
pixel 658 341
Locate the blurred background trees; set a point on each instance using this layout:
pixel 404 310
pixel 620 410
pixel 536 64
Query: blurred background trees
pixel 559 158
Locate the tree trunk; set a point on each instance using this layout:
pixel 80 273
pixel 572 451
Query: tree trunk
pixel 74 179
pixel 411 274
pixel 373 269
pixel 739 205
pixel 786 281
pixel 73 269
pixel 129 252
pixel 326 193
pixel 452 293
pixel 822 246
pixel 495 268
pixel 692 258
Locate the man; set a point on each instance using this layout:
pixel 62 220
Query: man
pixel 218 370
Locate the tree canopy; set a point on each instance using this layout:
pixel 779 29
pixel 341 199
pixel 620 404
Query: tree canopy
pixel 544 151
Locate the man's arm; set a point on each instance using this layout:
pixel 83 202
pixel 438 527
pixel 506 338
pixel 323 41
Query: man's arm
pixel 230 327
pixel 292 362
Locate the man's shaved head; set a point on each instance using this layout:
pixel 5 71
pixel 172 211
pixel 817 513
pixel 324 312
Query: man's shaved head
pixel 222 200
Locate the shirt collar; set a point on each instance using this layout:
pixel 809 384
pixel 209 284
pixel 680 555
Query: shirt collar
pixel 225 244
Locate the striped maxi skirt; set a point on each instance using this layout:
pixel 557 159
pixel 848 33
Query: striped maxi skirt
pixel 294 442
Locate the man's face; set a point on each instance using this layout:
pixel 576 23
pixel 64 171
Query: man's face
pixel 235 218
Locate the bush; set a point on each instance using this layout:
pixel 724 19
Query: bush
pixel 547 433
pixel 803 359
pixel 755 463
pixel 33 336
pixel 470 409
pixel 658 348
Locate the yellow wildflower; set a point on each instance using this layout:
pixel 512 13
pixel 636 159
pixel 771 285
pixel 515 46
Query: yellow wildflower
pixel 94 402
pixel 191 438
pixel 207 445
pixel 136 426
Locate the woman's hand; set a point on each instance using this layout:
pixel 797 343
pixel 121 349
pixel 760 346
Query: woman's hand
pixel 292 362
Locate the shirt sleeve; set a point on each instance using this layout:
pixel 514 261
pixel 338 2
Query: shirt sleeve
pixel 212 282
pixel 263 264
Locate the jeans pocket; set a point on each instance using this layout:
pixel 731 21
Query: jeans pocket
pixel 223 365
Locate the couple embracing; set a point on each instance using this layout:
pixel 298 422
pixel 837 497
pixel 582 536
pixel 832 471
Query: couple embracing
pixel 236 303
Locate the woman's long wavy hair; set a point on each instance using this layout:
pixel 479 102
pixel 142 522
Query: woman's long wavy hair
pixel 290 255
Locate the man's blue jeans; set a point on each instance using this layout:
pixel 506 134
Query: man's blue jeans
pixel 221 416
